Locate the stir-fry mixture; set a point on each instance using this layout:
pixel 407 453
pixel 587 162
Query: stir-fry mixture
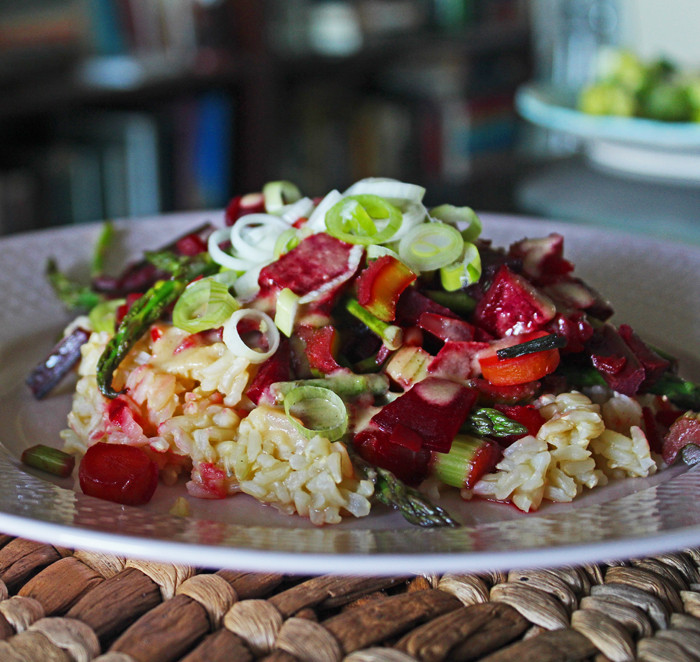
pixel 324 354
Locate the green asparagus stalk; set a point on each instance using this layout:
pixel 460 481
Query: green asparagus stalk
pixel 413 506
pixel 488 422
pixel 146 310
pixel 680 392
pixel 391 335
pixel 74 296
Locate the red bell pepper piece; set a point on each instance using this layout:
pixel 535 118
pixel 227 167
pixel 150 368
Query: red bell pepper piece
pixel 381 284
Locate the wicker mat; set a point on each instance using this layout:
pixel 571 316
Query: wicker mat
pixel 60 604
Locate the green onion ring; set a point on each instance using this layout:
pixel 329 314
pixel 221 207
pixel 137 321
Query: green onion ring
pixel 431 246
pixel 363 219
pixel 315 410
pixel 205 304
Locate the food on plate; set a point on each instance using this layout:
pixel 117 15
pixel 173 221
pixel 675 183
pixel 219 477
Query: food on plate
pixel 627 86
pixel 321 355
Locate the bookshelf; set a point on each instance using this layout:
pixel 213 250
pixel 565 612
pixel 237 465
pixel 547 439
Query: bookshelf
pixel 148 106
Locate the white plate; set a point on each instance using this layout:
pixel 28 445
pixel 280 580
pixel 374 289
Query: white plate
pixel 654 288
pixel 630 145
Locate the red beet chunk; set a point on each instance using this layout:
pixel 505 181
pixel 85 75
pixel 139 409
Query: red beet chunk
pixel 390 452
pixel 275 369
pixel 412 304
pixel 434 408
pixel 457 360
pixel 513 305
pixel 489 394
pixel 118 472
pixel 686 430
pixel 320 347
pixel 614 360
pixel 574 327
pixel 542 258
pixel 241 205
pixel 317 260
pixel 653 364
pixel 446 328
pixel 488 455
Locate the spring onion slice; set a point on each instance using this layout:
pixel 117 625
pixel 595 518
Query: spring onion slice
pixel 299 209
pixel 285 242
pixel 254 235
pixel 375 251
pixel 464 272
pixel 246 287
pixel 315 410
pixel 413 214
pixel 464 218
pixel 222 257
pixel 317 218
pixel 232 338
pixel 431 246
pixel 205 304
pixel 286 311
pixel 279 194
pixel 363 219
pixel 392 190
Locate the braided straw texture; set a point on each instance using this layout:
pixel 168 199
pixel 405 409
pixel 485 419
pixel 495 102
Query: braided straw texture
pixel 64 605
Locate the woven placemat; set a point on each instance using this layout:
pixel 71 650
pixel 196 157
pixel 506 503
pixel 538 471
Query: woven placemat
pixel 60 604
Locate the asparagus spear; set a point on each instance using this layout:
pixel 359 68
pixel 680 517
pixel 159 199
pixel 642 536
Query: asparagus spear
pixel 74 296
pixel 146 310
pixel 680 392
pixel 413 506
pixel 488 422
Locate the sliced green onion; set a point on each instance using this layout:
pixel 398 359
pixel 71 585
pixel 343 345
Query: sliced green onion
pixel 223 258
pixel 286 311
pixel 299 209
pixel 317 218
pixel 464 218
pixel 279 194
pixel 51 460
pixel 363 219
pixel 454 468
pixel 391 335
pixel 246 287
pixel 346 385
pixel 205 304
pixel 466 271
pixel 392 190
pixel 315 410
pixel 255 235
pixel 288 240
pixel 104 315
pixel 431 246
pixel 375 251
pixel 232 338
pixel 551 341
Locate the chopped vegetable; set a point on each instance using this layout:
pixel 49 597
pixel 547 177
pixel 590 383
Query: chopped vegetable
pixel 51 460
pixel 381 284
pixel 117 472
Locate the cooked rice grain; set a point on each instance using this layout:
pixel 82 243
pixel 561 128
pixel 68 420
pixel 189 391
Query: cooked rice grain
pixel 277 465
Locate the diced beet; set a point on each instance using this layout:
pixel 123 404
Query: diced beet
pixel 321 345
pixel 434 408
pixel 315 262
pixel 513 305
pixel 653 364
pixel 686 430
pixel 275 369
pixel 191 244
pixel 570 292
pixel 653 430
pixel 63 357
pixel 136 277
pixel 615 361
pixel 542 258
pixel 376 447
pixel 490 394
pixel 250 203
pixel 574 327
pixel 412 304
pixel 457 360
pixel 446 328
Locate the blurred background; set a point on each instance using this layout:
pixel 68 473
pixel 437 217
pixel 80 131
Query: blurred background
pixel 114 108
